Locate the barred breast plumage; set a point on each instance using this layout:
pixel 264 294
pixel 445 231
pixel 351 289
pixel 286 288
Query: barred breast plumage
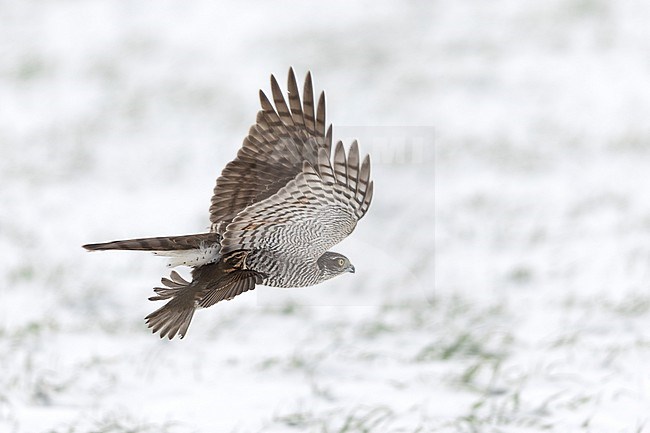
pixel 276 210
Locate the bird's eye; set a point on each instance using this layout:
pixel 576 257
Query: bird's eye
pixel 341 262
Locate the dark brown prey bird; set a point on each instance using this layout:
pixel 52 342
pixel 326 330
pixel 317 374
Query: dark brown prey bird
pixel 276 210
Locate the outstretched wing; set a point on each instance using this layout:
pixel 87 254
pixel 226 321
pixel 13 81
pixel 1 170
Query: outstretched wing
pixel 313 212
pixel 274 151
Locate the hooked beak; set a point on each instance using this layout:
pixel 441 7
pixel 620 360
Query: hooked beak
pixel 351 269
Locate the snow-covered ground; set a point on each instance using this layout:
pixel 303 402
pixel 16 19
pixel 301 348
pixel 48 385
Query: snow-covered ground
pixel 516 301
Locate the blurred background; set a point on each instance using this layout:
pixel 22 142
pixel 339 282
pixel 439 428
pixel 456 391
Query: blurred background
pixel 502 270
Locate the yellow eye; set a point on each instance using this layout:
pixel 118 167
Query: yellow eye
pixel 341 262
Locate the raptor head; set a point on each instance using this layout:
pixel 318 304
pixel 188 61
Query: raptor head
pixel 332 264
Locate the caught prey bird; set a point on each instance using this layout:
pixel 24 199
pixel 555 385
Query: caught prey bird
pixel 276 210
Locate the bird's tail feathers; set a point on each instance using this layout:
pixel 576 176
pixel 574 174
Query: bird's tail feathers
pixel 185 297
pixel 164 243
pixel 173 286
pixel 175 316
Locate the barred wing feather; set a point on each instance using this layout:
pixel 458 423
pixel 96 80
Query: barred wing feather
pixel 316 210
pixel 273 153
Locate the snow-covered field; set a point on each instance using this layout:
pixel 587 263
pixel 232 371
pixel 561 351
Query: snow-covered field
pixel 516 301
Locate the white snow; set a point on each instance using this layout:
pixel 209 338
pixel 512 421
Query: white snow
pixel 503 269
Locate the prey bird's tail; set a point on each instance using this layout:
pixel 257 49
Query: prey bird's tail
pixel 165 243
pixel 175 316
pixel 210 284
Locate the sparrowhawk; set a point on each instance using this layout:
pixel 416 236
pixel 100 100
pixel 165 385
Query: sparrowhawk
pixel 276 210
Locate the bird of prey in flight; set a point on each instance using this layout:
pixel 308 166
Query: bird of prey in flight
pixel 277 208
